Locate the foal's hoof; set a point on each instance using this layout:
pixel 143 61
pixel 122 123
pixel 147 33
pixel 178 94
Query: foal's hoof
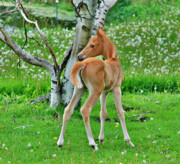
pixel 94 147
pixel 101 141
pixel 60 146
pixel 130 143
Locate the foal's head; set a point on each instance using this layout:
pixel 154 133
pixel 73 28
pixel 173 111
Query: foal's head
pixel 94 46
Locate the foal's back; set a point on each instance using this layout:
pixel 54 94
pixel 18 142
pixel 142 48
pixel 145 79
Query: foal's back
pixel 100 75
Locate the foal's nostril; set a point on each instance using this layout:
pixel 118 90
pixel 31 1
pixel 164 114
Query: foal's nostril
pixel 80 58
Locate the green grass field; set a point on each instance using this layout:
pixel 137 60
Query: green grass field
pixel 147 39
pixel 29 132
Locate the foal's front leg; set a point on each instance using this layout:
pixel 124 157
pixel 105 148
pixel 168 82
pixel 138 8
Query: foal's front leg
pixel 117 98
pixel 78 93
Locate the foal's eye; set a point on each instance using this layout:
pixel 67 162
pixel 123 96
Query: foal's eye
pixel 91 46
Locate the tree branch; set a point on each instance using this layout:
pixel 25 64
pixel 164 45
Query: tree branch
pixel 4 37
pixel 36 41
pixel 20 8
pixel 65 60
pixel 161 3
pixel 10 11
pixel 25 33
pixel 101 12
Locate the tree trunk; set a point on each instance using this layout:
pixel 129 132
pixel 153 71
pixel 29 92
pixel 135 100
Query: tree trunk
pixel 55 90
pixel 101 12
pixel 86 27
pixel 85 14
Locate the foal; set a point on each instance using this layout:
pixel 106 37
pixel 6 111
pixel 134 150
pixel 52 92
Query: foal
pixel 100 77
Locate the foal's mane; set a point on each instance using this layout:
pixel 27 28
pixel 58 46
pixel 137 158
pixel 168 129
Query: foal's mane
pixel 108 44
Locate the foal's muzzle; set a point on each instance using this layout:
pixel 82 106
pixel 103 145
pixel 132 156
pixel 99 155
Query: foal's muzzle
pixel 80 57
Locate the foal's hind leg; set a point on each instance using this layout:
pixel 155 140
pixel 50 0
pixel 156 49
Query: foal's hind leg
pixel 117 98
pixel 103 115
pixel 78 93
pixel 85 111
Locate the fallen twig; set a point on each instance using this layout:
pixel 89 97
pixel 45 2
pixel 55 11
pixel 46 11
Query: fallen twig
pixel 141 115
pixel 41 98
pixel 58 118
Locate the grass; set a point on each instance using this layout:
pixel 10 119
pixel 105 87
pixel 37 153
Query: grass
pixel 148 48
pixel 29 132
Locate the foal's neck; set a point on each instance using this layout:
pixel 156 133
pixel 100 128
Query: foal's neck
pixel 109 49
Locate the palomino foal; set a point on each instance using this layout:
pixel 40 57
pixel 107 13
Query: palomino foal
pixel 100 77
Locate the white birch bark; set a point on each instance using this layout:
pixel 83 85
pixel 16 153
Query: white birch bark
pixel 101 12
pixel 55 90
pixel 85 13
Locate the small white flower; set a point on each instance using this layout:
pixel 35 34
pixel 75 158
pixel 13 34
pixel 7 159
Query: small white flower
pixel 31 150
pixel 0 158
pixel 122 153
pixel 117 123
pixel 144 161
pixel 6 148
pixel 157 102
pixel 178 132
pixel 167 156
pixel 159 129
pixel 141 91
pixel 136 154
pixel 38 132
pixel 100 161
pixel 9 161
pixel 151 118
pixel 3 145
pixel 29 144
pixel 149 136
pixel 154 141
pixel 54 155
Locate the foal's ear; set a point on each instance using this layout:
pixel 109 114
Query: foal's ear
pixel 100 32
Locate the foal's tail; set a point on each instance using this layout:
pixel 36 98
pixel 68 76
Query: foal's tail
pixel 75 74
